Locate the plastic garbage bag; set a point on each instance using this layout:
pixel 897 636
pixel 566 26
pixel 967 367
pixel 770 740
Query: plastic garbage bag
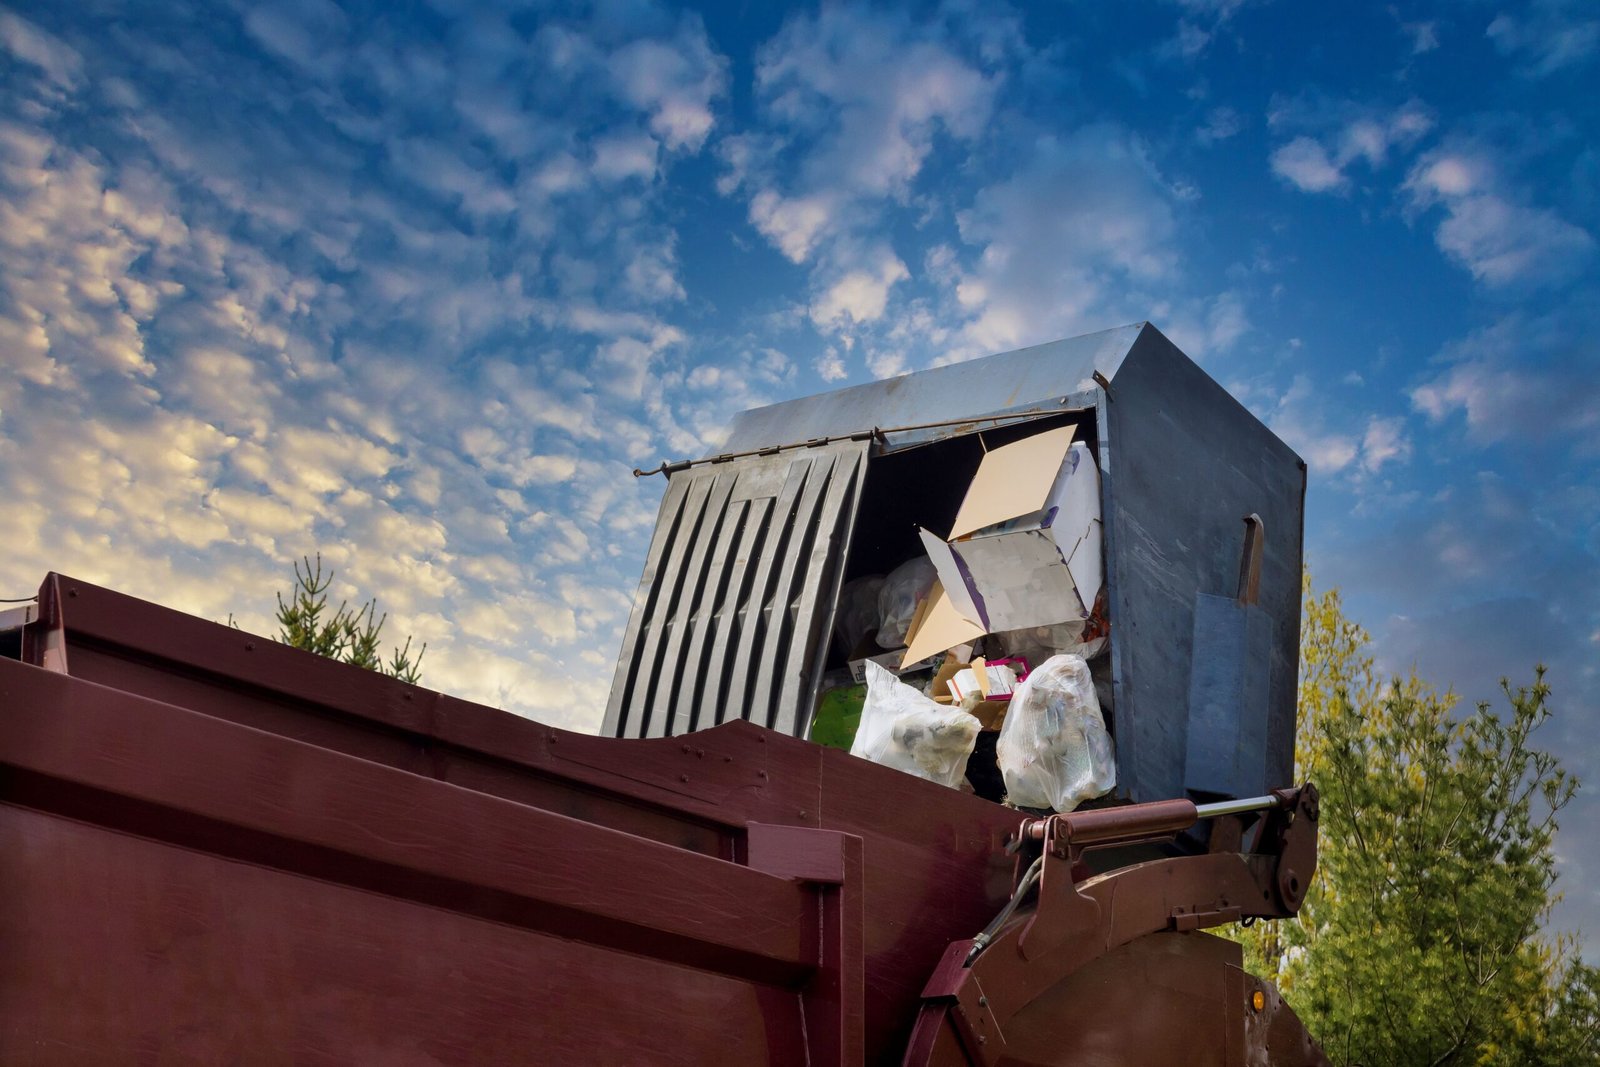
pixel 1054 751
pixel 1038 643
pixel 903 729
pixel 902 591
pixel 858 610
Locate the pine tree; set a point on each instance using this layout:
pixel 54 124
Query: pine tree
pixel 348 635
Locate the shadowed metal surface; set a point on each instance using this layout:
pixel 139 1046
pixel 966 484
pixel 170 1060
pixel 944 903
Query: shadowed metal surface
pixel 738 593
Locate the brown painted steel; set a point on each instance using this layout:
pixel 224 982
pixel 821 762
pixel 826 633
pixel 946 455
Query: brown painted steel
pixel 217 849
pixel 1125 943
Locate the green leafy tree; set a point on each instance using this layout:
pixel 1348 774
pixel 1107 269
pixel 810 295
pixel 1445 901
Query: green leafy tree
pixel 350 635
pixel 1422 939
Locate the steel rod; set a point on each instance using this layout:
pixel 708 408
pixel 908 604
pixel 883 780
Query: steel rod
pixel 1235 807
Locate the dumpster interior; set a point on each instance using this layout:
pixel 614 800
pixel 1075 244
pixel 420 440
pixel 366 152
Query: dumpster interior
pixel 906 491
pixel 922 486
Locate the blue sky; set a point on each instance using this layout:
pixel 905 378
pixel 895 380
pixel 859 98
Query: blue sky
pixel 416 285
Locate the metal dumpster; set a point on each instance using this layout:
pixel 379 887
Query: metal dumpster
pixel 752 545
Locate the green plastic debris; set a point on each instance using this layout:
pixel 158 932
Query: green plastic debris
pixel 838 716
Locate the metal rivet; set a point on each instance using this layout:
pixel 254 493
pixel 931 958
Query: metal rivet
pixel 683 777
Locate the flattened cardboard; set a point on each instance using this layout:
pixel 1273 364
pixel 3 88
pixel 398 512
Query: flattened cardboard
pixel 940 627
pixel 868 650
pixel 1012 480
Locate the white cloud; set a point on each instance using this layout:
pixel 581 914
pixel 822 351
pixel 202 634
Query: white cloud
pixel 1307 165
pixel 793 225
pixel 1385 442
pixel 675 82
pixel 1424 36
pixel 1226 321
pixel 1329 443
pixel 830 368
pixel 854 103
pixel 1067 241
pixel 1521 379
pixel 1201 24
pixel 624 156
pixel 59 61
pixel 875 90
pixel 1488 229
pixel 859 295
pixel 1221 123
pixel 277 356
pixel 1550 37
pixel 1319 164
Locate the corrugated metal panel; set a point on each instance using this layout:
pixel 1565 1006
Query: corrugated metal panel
pixel 732 615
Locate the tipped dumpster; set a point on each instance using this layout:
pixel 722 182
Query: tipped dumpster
pixel 1088 496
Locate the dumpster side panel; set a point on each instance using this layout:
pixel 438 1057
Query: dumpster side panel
pixel 598 854
pixel 119 949
pixel 1185 464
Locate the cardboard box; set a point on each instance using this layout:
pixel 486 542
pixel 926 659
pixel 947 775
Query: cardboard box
pixel 990 713
pixel 1025 549
pixel 868 649
pixel 988 682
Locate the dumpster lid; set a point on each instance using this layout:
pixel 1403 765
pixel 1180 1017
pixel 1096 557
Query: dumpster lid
pixel 1048 372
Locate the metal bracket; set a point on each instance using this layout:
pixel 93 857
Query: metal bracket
pixel 981 985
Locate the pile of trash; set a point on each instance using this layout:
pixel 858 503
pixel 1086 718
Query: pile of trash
pixel 940 684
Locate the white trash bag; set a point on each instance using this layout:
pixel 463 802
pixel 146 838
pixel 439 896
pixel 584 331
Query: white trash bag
pixel 857 612
pixel 1053 750
pixel 902 591
pixel 903 729
pixel 1038 643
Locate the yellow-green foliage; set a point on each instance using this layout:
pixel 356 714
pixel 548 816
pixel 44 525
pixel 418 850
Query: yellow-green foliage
pixel 1421 940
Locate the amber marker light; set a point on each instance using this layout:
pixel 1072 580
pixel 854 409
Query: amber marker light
pixel 1258 1000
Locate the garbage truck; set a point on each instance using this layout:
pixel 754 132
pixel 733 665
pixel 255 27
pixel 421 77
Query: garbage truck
pixel 215 848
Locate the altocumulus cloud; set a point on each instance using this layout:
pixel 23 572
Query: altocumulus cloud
pixel 413 325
